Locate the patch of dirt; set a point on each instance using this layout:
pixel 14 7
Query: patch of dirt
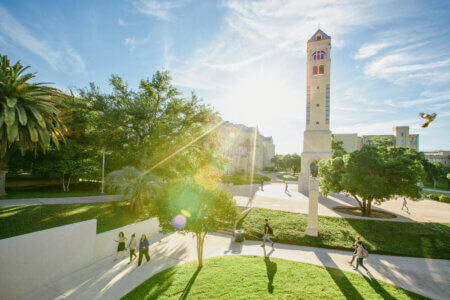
pixel 355 211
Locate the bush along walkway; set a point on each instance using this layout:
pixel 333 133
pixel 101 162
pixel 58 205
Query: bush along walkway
pixel 112 280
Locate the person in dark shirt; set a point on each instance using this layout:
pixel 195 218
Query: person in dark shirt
pixel 143 249
pixel 267 231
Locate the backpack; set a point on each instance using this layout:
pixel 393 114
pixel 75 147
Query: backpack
pixel 365 252
pixel 270 230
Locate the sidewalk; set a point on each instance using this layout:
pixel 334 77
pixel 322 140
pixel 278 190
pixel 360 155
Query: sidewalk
pixel 273 197
pixel 62 200
pixel 112 280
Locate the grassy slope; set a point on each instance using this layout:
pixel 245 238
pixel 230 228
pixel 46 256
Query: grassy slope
pixel 41 193
pixel 18 220
pixel 430 240
pixel 245 277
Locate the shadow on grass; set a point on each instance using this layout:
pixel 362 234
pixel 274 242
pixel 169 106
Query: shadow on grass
pixel 339 277
pixel 190 283
pixel 271 269
pixel 378 288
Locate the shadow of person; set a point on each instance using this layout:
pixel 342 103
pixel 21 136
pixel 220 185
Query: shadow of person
pixel 271 269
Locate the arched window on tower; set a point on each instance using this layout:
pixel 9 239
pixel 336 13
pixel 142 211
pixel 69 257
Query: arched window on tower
pixel 318 37
pixel 321 69
pixel 318 55
pixel 315 70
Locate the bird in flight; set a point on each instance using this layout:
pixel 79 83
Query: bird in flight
pixel 427 117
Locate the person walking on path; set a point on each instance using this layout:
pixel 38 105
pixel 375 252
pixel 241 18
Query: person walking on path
pixel 286 187
pixel 361 253
pixel 355 245
pixel 133 248
pixel 143 249
pixel 267 230
pixel 121 247
pixel 404 205
pixel 262 184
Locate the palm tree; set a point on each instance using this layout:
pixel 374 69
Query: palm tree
pixel 28 116
pixel 134 184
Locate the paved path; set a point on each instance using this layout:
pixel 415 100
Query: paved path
pixel 62 200
pixel 274 197
pixel 112 280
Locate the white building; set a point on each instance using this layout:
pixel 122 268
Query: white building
pixel 245 147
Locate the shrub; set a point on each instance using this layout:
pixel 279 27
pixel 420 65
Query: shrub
pixel 433 197
pixel 444 198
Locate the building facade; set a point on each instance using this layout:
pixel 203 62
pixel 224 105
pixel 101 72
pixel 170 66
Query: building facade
pixel 245 147
pixel 400 138
pixel 442 157
pixel 317 136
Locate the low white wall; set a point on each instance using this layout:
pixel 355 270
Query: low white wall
pixel 105 244
pixel 32 260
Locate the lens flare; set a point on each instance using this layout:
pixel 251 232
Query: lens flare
pixel 179 221
pixel 209 177
pixel 186 213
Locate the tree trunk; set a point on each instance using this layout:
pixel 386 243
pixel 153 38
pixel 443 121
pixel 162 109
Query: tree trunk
pixel 359 203
pixel 3 171
pixel 68 183
pixel 369 207
pixel 63 183
pixel 200 241
pixel 364 208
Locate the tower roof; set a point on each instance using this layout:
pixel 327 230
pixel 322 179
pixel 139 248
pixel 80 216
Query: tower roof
pixel 324 36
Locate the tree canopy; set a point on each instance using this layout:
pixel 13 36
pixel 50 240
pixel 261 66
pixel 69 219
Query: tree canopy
pixel 368 177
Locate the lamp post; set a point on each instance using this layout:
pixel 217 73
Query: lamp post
pixel 103 170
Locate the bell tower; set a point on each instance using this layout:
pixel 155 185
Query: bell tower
pixel 317 136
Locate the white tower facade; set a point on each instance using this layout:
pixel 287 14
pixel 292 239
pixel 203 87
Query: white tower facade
pixel 317 136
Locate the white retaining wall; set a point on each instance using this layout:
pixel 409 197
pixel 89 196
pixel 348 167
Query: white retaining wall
pixel 30 261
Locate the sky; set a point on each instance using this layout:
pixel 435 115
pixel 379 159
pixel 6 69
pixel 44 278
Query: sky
pixel 390 60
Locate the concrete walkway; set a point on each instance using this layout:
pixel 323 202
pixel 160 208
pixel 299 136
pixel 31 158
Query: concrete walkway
pixel 62 200
pixel 273 197
pixel 112 280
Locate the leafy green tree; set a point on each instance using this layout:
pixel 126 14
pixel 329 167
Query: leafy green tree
pixel 28 115
pixel 188 206
pixel 142 128
pixel 337 148
pixel 368 177
pixel 134 184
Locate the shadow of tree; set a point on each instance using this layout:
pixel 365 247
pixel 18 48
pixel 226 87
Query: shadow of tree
pixel 378 288
pixel 339 277
pixel 190 283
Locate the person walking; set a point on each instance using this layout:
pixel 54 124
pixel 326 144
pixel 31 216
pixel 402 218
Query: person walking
pixel 404 204
pixel 262 184
pixel 286 187
pixel 143 249
pixel 121 247
pixel 361 253
pixel 133 248
pixel 267 230
pixel 355 245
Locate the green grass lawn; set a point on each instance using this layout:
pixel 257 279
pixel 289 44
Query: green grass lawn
pixel 440 185
pixel 16 220
pixel 26 194
pixel 247 277
pixel 288 177
pixel 431 240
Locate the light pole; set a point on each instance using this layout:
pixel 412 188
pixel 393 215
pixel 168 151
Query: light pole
pixel 103 170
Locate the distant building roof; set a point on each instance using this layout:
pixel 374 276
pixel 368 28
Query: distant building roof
pixel 323 34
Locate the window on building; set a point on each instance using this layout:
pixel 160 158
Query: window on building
pixel 317 104
pixel 321 69
pixel 403 134
pixel 318 37
pixel 317 122
pixel 318 55
pixel 315 71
